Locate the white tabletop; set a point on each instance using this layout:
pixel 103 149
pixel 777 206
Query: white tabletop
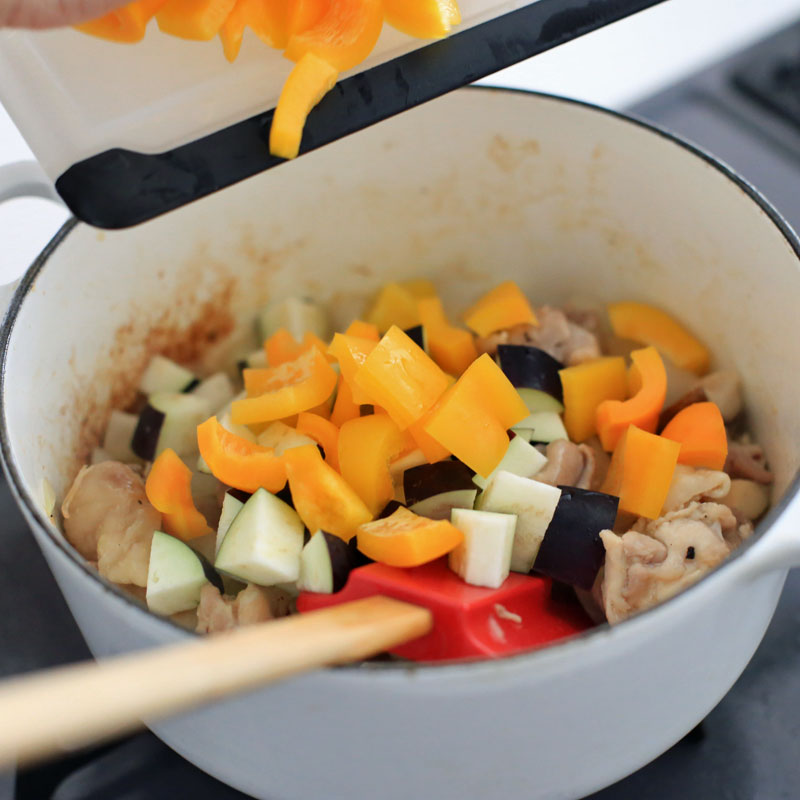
pixel 612 67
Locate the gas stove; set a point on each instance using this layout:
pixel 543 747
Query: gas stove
pixel 746 111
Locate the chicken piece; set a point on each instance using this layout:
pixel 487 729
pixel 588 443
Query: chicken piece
pixel 694 483
pixel 748 498
pixel 564 340
pixel 108 518
pixel 661 557
pixel 570 464
pixel 746 461
pixel 721 388
pixel 254 604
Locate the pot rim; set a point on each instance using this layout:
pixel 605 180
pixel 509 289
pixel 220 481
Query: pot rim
pixel 36 513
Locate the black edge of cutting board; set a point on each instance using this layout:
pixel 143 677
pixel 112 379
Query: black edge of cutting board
pixel 119 188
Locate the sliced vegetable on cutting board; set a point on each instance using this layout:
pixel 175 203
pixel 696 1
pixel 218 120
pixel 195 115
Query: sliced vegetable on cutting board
pixel 701 432
pixel 175 576
pixel 484 557
pixel 425 19
pixel 126 25
pixel 263 543
pixel 194 19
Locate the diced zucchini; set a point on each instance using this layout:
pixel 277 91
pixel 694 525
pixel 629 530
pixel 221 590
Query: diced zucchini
pixel 119 435
pixel 169 420
pixel 484 558
pixel 325 564
pixel 521 458
pixel 231 506
pixel 542 427
pixel 175 576
pixel 280 437
pixel 164 375
pixel 439 506
pixel 298 315
pixel 217 389
pixel 537 400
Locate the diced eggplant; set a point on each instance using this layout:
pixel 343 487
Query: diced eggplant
pixel 521 458
pixel 243 496
pixel 164 375
pixel 169 420
pixel 439 506
pixel 542 427
pixel 358 559
pixel 418 336
pixel 537 400
pixel 572 551
pixel 397 467
pixel 280 437
pixel 231 506
pixel 533 502
pixel 205 492
pixel 427 480
pixel 484 557
pixel 388 510
pixel 212 576
pixel 531 368
pixel 175 576
pixel 99 455
pixel 119 435
pixel 325 564
pixel 298 315
pixel 217 389
pixel 263 543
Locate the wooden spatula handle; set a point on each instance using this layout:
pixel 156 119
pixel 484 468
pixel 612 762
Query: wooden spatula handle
pixel 70 707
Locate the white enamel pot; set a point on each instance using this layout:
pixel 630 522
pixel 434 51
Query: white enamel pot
pixel 476 187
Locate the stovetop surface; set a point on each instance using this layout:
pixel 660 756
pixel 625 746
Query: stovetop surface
pixel 746 111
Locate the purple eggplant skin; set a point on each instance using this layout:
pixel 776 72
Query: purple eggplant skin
pixel 342 560
pixel 418 336
pixel 212 576
pixel 239 494
pixel 145 437
pixel 388 510
pixel 426 480
pixel 357 558
pixel 531 368
pixel 572 551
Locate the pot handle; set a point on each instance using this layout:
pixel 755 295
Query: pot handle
pixel 22 179
pixel 779 547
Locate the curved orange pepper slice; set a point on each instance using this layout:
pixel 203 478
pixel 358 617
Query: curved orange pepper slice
pixel 199 20
pixel 268 20
pixel 237 462
pixel 127 24
pixel 343 37
pixel 405 539
pixel 323 432
pixel 279 392
pixel 453 349
pixel 647 385
pixel 700 430
pixel 423 19
pixel 282 346
pixel 168 488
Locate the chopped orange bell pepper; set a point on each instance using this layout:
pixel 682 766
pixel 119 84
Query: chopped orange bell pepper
pixel 501 308
pixel 127 24
pixel 700 430
pixel 344 407
pixel 366 446
pixel 585 387
pixel 394 305
pixel 238 462
pixel 305 14
pixel 424 19
pixel 282 346
pixel 472 419
pixel 647 386
pixel 322 498
pixel 652 326
pixel 343 37
pixel 268 20
pixel 278 392
pixel 351 352
pixel 363 330
pixel 453 349
pixel 419 287
pixel 641 472
pixel 168 488
pixel 431 449
pixel 323 432
pixel 405 539
pixel 194 19
pixel 400 377
pixel 311 78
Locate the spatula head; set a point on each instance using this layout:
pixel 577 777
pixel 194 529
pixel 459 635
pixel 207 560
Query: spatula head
pixel 469 621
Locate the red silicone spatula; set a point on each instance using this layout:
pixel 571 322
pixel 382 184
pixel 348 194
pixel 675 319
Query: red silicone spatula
pixel 468 621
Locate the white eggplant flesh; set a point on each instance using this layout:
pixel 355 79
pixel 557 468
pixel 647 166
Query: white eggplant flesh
pixel 521 458
pixel 175 576
pixel 484 557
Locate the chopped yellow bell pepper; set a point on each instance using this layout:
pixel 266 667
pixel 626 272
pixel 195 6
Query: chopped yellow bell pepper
pixel 501 308
pixel 424 19
pixel 126 25
pixel 453 349
pixel 585 387
pixel 344 407
pixel 700 430
pixel 394 305
pixel 364 330
pixel 200 20
pixel 282 346
pixel 351 352
pixel 323 432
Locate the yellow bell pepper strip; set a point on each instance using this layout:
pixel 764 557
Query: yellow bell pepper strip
pixel 351 352
pixel 168 488
pixel 431 449
pixel 501 308
pixel 394 305
pixel 268 20
pixel 305 14
pixel 648 325
pixel 278 392
pixel 344 407
pixel 641 472
pixel 700 429
pixel 323 432
pixel 647 387
pixel 200 20
pixel 321 496
pixel 366 446
pixel 343 37
pixel 419 287
pixel 237 462
pixel 282 346
pixel 585 387
pixel 400 377
pixel 126 25
pixel 453 349
pixel 405 539
pixel 363 330
pixel 309 81
pixel 472 419
pixel 425 19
